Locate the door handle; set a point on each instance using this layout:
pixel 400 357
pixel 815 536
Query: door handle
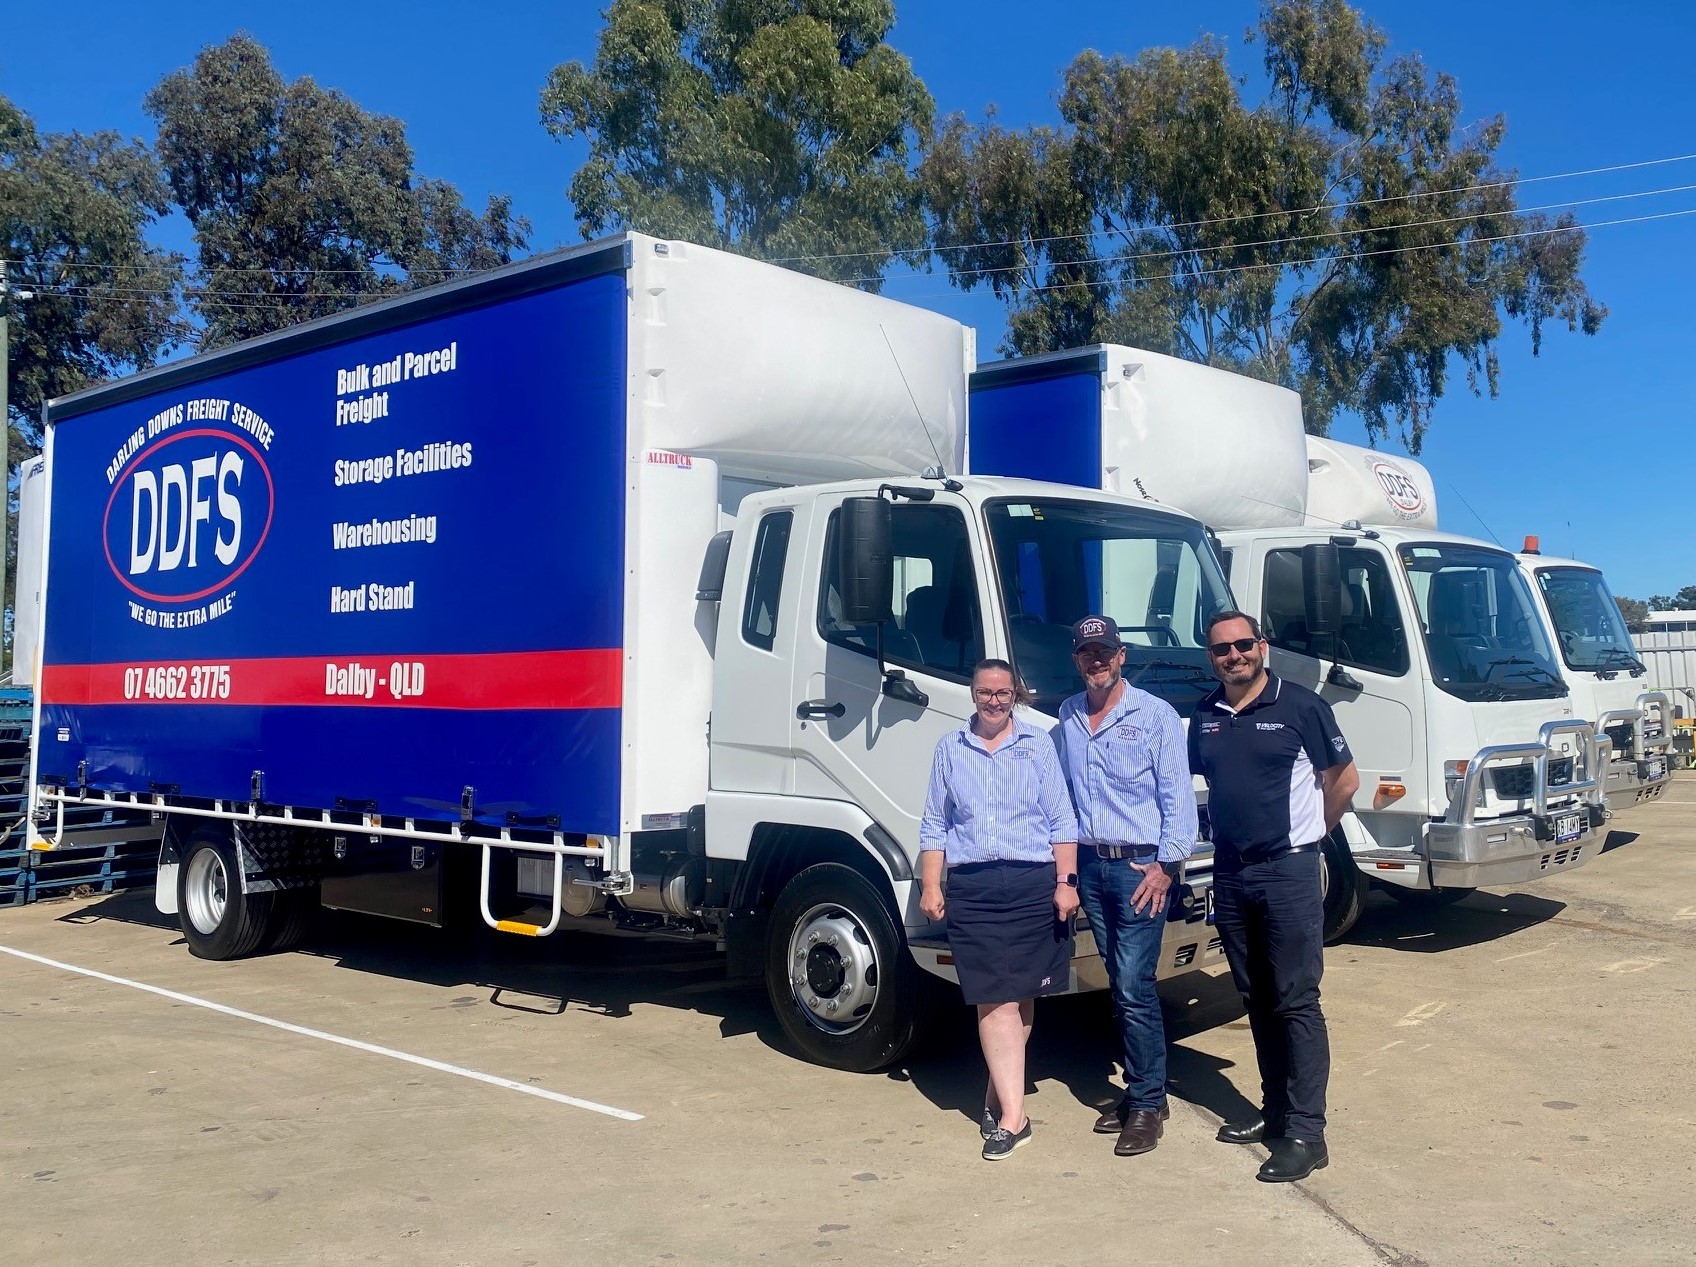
pixel 814 708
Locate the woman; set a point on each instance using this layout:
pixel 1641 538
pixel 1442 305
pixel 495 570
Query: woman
pixel 999 819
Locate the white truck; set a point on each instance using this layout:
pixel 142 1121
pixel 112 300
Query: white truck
pixel 1474 767
pixel 621 589
pixel 1633 721
pixel 1594 653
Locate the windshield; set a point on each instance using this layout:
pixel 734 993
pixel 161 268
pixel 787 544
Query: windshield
pixel 1587 621
pixel 1484 635
pixel 1153 573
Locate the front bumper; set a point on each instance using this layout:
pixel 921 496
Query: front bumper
pixel 1631 782
pixel 1561 831
pixel 1511 850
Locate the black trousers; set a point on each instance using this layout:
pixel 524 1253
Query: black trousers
pixel 1270 917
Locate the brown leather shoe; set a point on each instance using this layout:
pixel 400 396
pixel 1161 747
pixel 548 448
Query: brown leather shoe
pixel 1113 1121
pixel 1141 1133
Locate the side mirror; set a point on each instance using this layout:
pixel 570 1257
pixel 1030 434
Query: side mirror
pixel 865 559
pixel 1322 588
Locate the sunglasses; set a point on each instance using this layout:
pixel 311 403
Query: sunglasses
pixel 1219 650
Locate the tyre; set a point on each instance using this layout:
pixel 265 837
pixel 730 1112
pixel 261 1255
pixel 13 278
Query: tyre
pixel 838 973
pixel 1427 899
pixel 219 921
pixel 1342 886
pixel 292 916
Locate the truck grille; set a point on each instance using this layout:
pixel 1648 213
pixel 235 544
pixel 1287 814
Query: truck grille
pixel 1518 782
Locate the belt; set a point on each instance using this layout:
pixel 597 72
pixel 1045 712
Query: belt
pixel 1267 855
pixel 1113 852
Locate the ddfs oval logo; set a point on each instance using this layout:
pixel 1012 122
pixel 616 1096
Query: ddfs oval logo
pixel 1403 494
pixel 188 514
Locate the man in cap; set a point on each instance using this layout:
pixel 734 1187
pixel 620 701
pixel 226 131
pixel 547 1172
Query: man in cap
pixel 1123 753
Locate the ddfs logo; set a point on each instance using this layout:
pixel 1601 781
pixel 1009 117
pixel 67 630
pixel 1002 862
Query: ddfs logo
pixel 188 514
pixel 1403 494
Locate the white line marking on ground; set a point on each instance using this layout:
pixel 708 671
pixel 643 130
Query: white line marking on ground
pixel 439 1066
pixel 1526 954
pixel 1421 1014
pixel 1635 965
pixel 1688 912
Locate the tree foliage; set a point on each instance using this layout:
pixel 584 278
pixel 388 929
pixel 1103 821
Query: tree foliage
pixel 1683 601
pixel 1634 611
pixel 302 202
pixel 777 128
pixel 74 214
pixel 1345 236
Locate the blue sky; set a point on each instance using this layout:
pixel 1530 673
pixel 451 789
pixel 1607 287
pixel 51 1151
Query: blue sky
pixel 1591 445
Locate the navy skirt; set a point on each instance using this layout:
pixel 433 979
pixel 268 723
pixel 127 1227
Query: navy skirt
pixel 1007 943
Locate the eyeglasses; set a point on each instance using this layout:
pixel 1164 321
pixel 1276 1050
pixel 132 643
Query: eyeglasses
pixel 1219 650
pixel 1002 696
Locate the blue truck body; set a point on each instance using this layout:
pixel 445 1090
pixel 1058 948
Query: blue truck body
pixel 367 564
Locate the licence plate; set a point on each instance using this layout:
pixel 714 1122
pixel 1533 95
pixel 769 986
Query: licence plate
pixel 1568 827
pixel 1656 769
pixel 1208 904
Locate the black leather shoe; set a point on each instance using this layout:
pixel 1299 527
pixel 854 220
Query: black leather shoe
pixel 1113 1121
pixel 1294 1159
pixel 1141 1134
pixel 1253 1131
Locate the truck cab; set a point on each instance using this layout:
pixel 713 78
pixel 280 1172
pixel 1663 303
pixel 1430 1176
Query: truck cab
pixel 1608 680
pixel 1475 768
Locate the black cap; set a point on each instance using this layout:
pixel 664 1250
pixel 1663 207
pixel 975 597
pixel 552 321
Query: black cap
pixel 1095 631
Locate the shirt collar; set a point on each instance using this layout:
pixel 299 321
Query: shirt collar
pixel 1215 699
pixel 1022 729
pixel 1131 701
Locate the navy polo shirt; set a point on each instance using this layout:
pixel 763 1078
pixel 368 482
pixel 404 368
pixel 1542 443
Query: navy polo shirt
pixel 1262 766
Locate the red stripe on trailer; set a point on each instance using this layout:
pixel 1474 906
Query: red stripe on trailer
pixel 500 680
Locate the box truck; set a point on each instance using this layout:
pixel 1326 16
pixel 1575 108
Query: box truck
pixel 626 588
pixel 1474 767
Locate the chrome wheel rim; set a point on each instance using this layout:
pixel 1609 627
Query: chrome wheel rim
pixel 833 969
pixel 207 891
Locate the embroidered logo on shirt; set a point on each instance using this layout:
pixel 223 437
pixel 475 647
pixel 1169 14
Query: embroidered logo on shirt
pixel 1021 754
pixel 1339 743
pixel 1268 725
pixel 1127 732
pixel 1209 727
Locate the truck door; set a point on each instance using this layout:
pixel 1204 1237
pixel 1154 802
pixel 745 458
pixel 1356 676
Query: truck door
pixel 851 741
pixel 1383 717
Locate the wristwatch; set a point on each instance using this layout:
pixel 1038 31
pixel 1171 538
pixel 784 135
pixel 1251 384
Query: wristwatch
pixel 1071 878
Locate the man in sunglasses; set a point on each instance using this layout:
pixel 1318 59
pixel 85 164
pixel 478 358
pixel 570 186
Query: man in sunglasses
pixel 1279 778
pixel 1122 751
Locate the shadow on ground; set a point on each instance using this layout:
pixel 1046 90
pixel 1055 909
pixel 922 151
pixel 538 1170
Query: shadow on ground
pixel 1429 929
pixel 1075 1041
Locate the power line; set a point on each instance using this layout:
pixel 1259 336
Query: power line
pixel 1259 215
pixel 1355 255
pixel 1296 239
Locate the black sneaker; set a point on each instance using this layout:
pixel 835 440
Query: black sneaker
pixel 988 1124
pixel 1001 1142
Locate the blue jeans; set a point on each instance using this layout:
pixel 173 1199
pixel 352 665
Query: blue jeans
pixel 1130 947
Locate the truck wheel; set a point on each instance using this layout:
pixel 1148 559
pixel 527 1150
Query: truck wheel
pixel 292 916
pixel 219 921
pixel 1428 899
pixel 1342 886
pixel 837 969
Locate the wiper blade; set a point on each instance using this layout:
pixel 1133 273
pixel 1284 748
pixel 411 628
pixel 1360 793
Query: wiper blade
pixel 1617 655
pixel 1528 668
pixel 1192 671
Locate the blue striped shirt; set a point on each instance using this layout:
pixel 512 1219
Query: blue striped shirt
pixel 1009 805
pixel 1130 779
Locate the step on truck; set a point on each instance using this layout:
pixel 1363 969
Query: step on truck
pixel 1474 768
pixel 607 591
